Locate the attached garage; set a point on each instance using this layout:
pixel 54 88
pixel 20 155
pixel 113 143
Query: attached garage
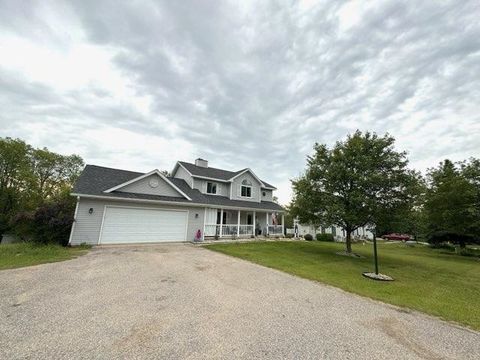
pixel 122 225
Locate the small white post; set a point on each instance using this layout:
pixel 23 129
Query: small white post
pixel 238 224
pixel 283 224
pixel 221 222
pixel 254 222
pixel 266 219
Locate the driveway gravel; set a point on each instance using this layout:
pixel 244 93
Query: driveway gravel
pixel 182 301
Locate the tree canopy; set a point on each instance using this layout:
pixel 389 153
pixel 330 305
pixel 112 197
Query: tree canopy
pixel 31 177
pixel 354 183
pixel 452 202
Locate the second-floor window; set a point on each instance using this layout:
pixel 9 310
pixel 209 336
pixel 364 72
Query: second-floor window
pixel 211 188
pixel 246 190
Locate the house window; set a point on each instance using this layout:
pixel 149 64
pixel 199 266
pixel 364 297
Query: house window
pixel 211 188
pixel 264 193
pixel 246 189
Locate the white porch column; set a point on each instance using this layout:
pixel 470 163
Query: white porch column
pixel 283 224
pixel 254 222
pixel 266 220
pixel 238 224
pixel 221 222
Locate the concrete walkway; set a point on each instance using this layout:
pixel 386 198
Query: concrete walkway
pixel 183 301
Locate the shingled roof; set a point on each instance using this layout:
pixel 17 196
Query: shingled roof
pixel 94 180
pixel 214 173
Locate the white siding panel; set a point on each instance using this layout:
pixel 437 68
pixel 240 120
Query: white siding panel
pixel 268 195
pixel 143 187
pixel 182 174
pixel 237 183
pixel 201 185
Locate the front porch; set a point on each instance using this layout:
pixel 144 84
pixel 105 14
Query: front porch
pixel 231 224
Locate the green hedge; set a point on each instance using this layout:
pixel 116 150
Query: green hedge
pixel 325 237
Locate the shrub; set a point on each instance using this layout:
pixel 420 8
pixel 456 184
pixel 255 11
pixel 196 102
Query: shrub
pixel 289 236
pixel 308 237
pixel 325 237
pixel 467 252
pixel 49 223
pixel 437 238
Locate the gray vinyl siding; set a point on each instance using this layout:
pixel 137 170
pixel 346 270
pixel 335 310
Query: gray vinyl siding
pixel 237 182
pixel 222 188
pixel 87 226
pixel 198 184
pixel 182 174
pixel 143 187
pixel 268 195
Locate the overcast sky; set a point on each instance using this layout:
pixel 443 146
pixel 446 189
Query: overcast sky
pixel 254 84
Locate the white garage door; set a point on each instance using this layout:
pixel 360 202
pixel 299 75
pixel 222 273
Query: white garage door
pixel 123 225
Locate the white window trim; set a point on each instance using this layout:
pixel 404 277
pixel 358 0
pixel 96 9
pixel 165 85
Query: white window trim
pixel 205 186
pixel 247 186
pixel 213 183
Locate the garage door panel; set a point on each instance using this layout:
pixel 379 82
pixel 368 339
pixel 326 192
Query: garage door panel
pixel 136 225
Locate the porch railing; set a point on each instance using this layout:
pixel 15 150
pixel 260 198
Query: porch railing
pixel 212 230
pixel 275 229
pixel 246 230
pixel 228 230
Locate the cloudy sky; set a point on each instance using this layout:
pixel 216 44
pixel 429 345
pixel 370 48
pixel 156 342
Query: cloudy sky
pixel 254 84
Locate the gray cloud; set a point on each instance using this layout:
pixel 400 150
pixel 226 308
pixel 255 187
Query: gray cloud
pixel 257 84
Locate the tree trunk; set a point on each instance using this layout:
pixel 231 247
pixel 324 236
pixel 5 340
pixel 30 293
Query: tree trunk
pixel 348 241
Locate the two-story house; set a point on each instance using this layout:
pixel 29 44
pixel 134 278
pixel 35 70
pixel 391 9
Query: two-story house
pixel 196 202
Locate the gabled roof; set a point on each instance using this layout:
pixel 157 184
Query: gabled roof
pixel 251 173
pixel 156 171
pixel 209 172
pixel 95 180
pixel 217 174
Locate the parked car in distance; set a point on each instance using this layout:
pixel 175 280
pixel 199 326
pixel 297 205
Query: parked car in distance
pixel 395 236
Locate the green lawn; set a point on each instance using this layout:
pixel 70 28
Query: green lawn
pixel 27 254
pixel 434 281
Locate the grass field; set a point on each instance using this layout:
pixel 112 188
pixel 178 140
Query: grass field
pixel 27 254
pixel 435 281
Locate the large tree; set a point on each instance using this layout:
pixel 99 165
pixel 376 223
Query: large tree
pixel 406 216
pixel 14 172
pixel 452 200
pixel 52 173
pixel 352 184
pixel 471 172
pixel 32 177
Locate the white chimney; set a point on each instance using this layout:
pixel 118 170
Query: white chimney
pixel 201 163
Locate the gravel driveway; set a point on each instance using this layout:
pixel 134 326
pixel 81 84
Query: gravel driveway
pixel 182 301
